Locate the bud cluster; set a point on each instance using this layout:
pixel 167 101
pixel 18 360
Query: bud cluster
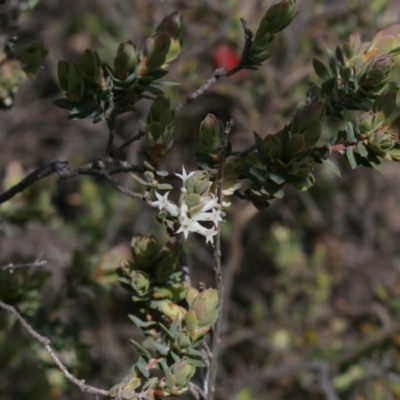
pixel 90 84
pixel 277 18
pixel 14 71
pixel 173 330
pixel 159 127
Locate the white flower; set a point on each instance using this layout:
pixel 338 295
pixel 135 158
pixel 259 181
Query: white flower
pixel 189 225
pixel 210 235
pixel 186 224
pixel 164 204
pixel 183 211
pixel 185 176
pixel 231 190
pixel 210 203
pixel 214 215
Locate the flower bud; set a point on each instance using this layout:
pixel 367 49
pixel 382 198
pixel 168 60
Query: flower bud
pixel 171 310
pixel 157 45
pixel 140 282
pixel 173 25
pixel 145 249
pixel 92 69
pixel 279 16
pixel 211 130
pixel 198 183
pixel 70 76
pixel 205 306
pixel 32 57
pixel 191 321
pixel 183 371
pixel 183 340
pixel 126 59
pixel 191 295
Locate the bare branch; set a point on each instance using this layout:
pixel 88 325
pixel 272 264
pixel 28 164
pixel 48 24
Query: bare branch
pixel 34 176
pixel 111 130
pixel 124 191
pixel 217 267
pixel 63 171
pixel 200 91
pixel 184 261
pixel 197 392
pixel 37 263
pixel 220 72
pixel 46 344
pixel 134 138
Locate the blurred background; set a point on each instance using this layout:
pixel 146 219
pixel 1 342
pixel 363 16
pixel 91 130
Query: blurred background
pixel 316 277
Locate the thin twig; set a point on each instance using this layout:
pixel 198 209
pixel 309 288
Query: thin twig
pixel 111 130
pixel 124 191
pixel 248 42
pixel 37 263
pixel 217 267
pixel 63 171
pixel 220 72
pixel 46 344
pixel 197 391
pixel 128 142
pixel 184 261
pixel 200 91
pixel 34 176
pixel 325 382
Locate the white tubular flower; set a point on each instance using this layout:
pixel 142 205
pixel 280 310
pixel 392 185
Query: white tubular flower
pixel 214 216
pixel 185 228
pixel 183 212
pixel 210 235
pixel 231 190
pixel 184 176
pixel 164 204
pixel 210 204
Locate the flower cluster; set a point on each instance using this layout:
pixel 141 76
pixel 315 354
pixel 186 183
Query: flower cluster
pixel 197 203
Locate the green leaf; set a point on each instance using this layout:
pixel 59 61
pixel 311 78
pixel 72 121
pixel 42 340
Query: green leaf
pixel 194 352
pixel 164 186
pixel 332 166
pixel 142 366
pixel 149 384
pixel 158 347
pixel 295 145
pixel 329 86
pixel 166 331
pixel 196 362
pixel 375 162
pixel 66 104
pixel 259 142
pixel 139 180
pixel 167 83
pixel 362 149
pixel 258 173
pixel 139 323
pixel 320 69
pixel 173 329
pixel 312 134
pixel 340 56
pixel 333 64
pixel 350 134
pixel 351 158
pixel 275 177
pixel 140 349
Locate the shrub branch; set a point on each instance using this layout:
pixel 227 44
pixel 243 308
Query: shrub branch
pixel 46 344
